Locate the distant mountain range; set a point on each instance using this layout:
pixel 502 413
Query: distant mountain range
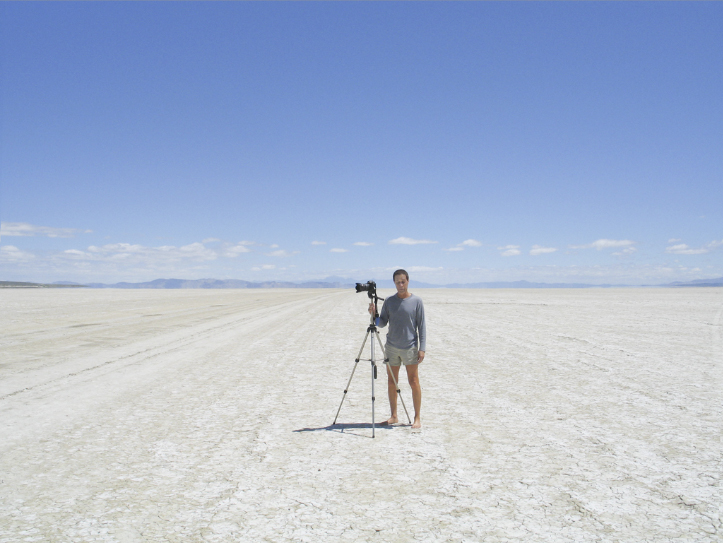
pixel 221 283
pixel 698 283
pixel 336 282
pixel 20 284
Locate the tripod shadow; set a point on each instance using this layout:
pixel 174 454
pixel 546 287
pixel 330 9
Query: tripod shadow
pixel 343 428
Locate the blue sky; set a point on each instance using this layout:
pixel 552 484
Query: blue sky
pixel 463 141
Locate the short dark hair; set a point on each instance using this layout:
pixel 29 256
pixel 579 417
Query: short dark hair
pixel 400 272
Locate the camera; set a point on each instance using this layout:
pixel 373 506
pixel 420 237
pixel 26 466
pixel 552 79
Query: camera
pixel 370 287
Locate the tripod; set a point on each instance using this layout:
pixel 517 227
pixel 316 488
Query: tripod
pixel 372 329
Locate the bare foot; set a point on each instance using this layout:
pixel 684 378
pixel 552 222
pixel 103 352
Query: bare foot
pixel 417 424
pixel 391 420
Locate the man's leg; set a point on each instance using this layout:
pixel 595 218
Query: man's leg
pixel 392 391
pixel 413 378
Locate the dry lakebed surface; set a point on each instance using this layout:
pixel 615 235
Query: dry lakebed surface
pixel 206 415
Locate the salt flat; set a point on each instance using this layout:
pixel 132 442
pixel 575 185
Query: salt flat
pixel 549 415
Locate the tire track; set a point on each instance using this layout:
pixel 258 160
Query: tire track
pixel 172 343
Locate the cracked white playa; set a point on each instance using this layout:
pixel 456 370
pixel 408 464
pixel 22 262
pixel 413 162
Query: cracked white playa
pixel 549 415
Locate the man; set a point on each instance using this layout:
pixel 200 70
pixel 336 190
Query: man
pixel 406 341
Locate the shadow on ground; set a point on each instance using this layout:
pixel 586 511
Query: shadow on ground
pixel 343 428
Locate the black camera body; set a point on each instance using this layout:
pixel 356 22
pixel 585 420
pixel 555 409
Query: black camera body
pixel 370 287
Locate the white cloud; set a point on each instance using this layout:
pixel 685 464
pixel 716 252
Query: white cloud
pixel 264 267
pixel 274 246
pixel 605 244
pixel 235 250
pixel 539 250
pixel 465 243
pixel 363 244
pixel 414 269
pixel 26 229
pixel 318 243
pixel 337 250
pixel 281 252
pixel 626 252
pixel 673 240
pixel 210 240
pixel 196 251
pixel 11 254
pixel 122 251
pixel 121 247
pixel 509 250
pixel 683 249
pixel 75 252
pixel 409 241
pixel 193 247
pixel 610 243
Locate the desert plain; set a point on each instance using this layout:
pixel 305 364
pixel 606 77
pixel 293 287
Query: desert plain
pixel 206 415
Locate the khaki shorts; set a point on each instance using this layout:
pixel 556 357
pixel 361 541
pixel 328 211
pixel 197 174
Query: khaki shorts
pixel 401 357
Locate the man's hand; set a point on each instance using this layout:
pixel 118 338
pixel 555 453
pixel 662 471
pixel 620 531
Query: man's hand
pixel 420 357
pixel 371 308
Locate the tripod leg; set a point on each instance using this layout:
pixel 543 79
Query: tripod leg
pixel 374 376
pixel 391 374
pixel 356 363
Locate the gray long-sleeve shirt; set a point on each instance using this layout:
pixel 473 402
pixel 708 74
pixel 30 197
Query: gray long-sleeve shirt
pixel 406 322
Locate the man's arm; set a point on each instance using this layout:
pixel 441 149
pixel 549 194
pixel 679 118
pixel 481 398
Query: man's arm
pixel 383 316
pixel 421 331
pixel 383 319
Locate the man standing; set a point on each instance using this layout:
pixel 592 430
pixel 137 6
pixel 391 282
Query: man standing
pixel 406 341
